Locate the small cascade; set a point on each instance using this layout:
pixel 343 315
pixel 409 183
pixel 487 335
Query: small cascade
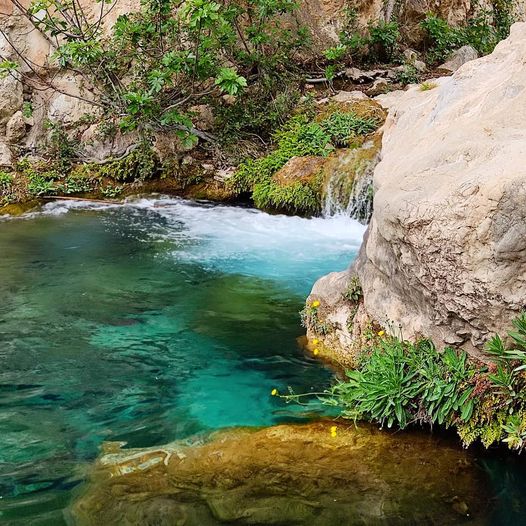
pixel 349 187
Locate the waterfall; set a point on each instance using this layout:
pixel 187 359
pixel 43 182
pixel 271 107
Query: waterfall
pixel 349 186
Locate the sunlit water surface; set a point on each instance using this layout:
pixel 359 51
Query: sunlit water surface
pixel 151 322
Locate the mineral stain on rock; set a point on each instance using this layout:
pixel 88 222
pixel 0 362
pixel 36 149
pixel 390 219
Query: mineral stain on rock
pixel 320 474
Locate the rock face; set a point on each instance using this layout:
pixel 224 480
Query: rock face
pixel 294 475
pixel 459 58
pixel 445 253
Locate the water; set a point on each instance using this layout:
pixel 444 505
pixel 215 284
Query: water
pixel 146 323
pixel 155 321
pixel 349 190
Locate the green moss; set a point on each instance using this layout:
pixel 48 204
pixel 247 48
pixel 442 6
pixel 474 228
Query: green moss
pixel 301 136
pixel 296 197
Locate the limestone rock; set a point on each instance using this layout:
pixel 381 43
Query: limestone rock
pixel 445 255
pixel 97 148
pixel 349 96
pixel 15 128
pixel 459 58
pixel 11 97
pixel 203 117
pixel 299 169
pixel 287 474
pixel 6 157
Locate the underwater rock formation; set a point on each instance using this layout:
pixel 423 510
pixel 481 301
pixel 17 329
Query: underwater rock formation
pixel 316 474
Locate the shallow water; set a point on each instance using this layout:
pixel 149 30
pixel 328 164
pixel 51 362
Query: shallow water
pixel 152 322
pixel 146 323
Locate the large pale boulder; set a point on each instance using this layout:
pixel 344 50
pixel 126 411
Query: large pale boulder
pixel 446 251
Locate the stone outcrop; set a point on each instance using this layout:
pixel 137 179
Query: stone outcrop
pixel 459 58
pixel 312 474
pixel 445 252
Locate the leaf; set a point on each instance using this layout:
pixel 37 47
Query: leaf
pixel 467 410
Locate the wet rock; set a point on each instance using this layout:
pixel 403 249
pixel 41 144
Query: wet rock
pixel 302 169
pixel 294 475
pixel 459 58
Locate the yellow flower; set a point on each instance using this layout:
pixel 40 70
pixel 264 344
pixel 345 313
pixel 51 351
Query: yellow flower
pixel 316 304
pixel 316 352
pixel 274 392
pixel 381 333
pixel 333 431
pixel 315 341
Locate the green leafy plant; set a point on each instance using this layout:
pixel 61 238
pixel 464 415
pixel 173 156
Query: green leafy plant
pixel 398 383
pixel 111 191
pixel 342 127
pixel 6 179
pixel 27 110
pixel 39 186
pixel 384 38
pixel 514 354
pixel 482 32
pixel 354 290
pixel 408 75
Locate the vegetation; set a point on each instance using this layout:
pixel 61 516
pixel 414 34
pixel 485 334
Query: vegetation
pixel 354 290
pixel 160 61
pixel 483 32
pixel 302 135
pixel 428 86
pixel 399 383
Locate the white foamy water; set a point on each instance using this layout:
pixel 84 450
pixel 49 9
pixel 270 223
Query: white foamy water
pixel 237 239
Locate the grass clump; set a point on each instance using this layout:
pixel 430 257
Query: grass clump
pixel 428 86
pixel 399 383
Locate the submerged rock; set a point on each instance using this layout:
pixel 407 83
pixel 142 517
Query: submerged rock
pixel 313 475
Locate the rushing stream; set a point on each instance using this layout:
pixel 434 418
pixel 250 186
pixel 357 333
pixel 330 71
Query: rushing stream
pixel 151 322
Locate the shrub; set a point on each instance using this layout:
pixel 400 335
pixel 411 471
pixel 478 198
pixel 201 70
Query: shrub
pixel 398 383
pixel 482 32
pixel 383 38
pixel 6 180
pixel 409 75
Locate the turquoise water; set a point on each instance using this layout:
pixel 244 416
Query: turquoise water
pixel 147 323
pixel 154 321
